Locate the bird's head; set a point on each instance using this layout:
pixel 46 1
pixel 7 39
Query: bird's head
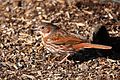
pixel 47 29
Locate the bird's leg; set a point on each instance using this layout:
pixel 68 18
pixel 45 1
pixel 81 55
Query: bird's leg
pixel 65 59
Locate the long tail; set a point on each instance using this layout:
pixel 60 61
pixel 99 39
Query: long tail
pixel 89 45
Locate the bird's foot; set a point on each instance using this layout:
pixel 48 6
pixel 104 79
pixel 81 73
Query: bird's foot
pixel 65 59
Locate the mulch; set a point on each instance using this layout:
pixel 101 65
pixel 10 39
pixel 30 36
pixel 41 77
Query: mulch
pixel 22 57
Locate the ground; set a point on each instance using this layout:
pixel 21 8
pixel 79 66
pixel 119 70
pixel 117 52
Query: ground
pixel 23 58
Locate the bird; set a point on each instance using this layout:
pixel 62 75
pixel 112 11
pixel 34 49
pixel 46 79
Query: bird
pixel 59 41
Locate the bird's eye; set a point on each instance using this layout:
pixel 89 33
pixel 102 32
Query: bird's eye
pixel 42 27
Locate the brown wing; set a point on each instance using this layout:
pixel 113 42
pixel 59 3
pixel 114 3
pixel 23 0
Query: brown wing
pixel 67 40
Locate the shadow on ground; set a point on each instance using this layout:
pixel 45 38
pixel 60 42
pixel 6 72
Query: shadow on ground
pixel 100 37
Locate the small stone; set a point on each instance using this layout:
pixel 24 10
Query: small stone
pixel 83 67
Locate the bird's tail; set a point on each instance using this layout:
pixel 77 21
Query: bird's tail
pixel 89 45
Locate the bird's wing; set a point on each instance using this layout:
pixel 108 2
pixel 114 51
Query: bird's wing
pixel 67 40
pixel 77 47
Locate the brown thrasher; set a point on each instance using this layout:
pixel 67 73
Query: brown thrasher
pixel 57 40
